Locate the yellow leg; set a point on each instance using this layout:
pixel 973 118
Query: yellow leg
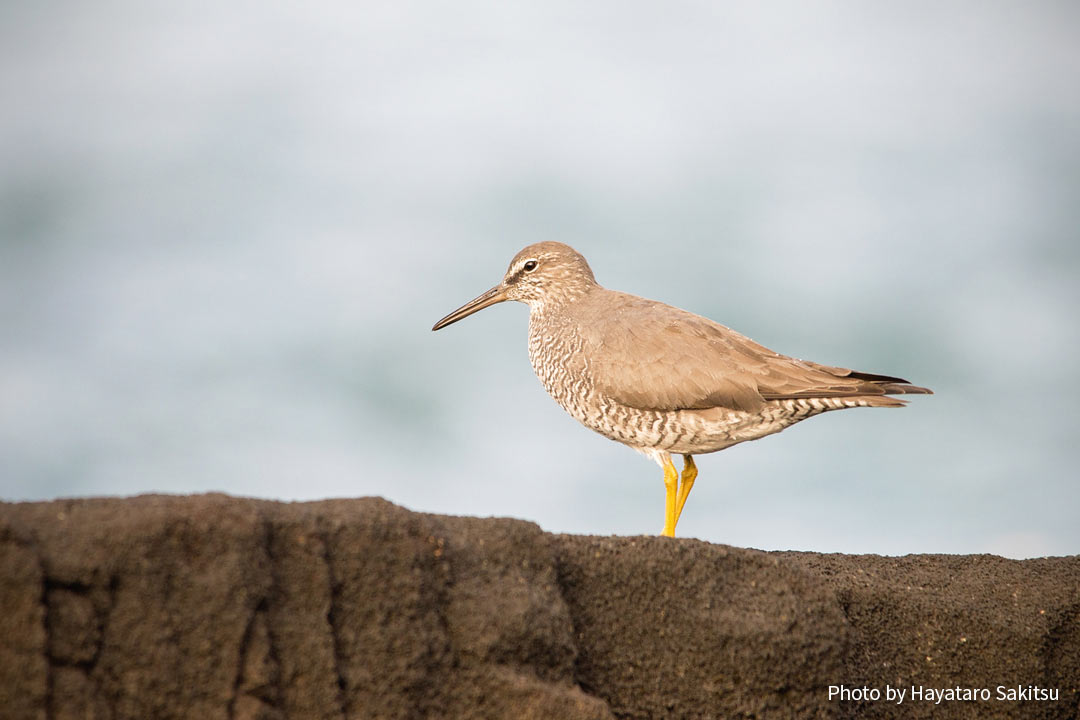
pixel 689 474
pixel 671 484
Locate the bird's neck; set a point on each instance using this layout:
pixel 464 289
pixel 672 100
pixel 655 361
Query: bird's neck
pixel 554 304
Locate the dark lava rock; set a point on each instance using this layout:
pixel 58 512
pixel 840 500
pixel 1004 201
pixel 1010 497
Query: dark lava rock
pixel 220 607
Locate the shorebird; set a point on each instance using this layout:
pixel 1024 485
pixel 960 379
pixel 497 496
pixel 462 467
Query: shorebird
pixel 660 379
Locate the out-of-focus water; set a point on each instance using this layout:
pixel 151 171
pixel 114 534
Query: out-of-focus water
pixel 226 229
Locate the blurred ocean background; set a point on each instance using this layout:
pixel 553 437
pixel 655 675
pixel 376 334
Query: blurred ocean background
pixel 227 228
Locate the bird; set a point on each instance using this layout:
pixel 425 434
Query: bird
pixel 660 379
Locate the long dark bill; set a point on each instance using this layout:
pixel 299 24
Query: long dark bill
pixel 496 294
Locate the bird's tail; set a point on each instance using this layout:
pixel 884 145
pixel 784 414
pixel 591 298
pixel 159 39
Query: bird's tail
pixel 890 385
pixel 876 387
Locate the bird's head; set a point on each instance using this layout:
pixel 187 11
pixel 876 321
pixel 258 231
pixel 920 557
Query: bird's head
pixel 542 275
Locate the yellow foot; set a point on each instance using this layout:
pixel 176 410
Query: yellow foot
pixel 689 474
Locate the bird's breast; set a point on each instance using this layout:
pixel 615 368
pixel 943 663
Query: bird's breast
pixel 558 357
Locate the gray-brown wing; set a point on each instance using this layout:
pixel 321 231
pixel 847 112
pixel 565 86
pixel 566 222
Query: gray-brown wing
pixel 653 356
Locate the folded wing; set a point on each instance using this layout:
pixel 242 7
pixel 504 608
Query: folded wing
pixel 653 356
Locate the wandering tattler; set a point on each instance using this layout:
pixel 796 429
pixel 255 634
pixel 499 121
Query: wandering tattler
pixel 660 379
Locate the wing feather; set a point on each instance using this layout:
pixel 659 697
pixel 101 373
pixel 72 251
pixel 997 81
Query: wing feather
pixel 653 356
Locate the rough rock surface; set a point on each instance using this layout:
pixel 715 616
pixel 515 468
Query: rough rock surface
pixel 220 607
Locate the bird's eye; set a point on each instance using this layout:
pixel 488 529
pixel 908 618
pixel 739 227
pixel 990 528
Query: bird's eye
pixel 529 266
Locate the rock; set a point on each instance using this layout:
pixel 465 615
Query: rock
pixel 218 607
